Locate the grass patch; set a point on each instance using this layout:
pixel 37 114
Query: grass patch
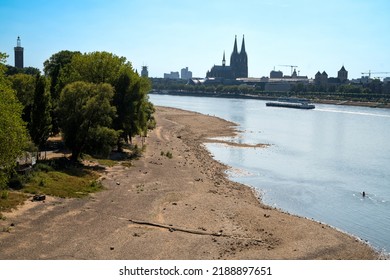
pixel 70 183
pixel 101 161
pixel 10 201
pixel 106 162
pixel 127 155
pixel 58 177
pixel 4 194
pixel 167 154
pixel 127 163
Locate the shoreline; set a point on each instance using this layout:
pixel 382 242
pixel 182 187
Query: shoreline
pixel 257 193
pixel 183 207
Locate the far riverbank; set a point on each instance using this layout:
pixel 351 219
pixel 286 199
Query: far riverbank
pixel 275 96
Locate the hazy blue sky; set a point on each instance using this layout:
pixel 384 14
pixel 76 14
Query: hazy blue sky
pixel 168 35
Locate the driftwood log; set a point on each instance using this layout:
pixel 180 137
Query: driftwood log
pixel 192 231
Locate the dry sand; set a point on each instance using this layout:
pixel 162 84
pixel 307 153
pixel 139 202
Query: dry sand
pixel 178 208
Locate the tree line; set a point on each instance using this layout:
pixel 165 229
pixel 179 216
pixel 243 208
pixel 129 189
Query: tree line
pixel 95 100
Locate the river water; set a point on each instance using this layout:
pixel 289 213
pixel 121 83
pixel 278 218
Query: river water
pixel 318 163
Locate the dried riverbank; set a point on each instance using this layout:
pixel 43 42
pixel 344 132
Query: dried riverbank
pixel 180 206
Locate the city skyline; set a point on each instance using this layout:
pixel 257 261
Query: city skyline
pixel 169 35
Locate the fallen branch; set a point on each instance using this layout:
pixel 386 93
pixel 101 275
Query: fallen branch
pixel 192 231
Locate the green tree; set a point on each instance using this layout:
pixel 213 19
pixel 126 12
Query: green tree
pixel 124 104
pixel 350 89
pixel 134 111
pixel 375 86
pixel 52 68
pixel 86 111
pixel 13 133
pixel 24 85
pixel 11 70
pixel 40 126
pixel 131 91
pixel 100 141
pixel 95 67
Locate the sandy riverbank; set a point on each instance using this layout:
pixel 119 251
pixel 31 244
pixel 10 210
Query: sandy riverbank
pixel 182 207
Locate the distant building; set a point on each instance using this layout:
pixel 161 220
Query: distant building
pixel 18 54
pixel 280 82
pixel 321 78
pixel 238 65
pixel 144 72
pixel 276 74
pixel 172 75
pixel 185 74
pixel 342 74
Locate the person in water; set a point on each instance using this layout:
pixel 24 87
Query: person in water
pixel 364 194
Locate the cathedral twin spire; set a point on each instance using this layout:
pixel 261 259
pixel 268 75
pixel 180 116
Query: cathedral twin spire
pixel 243 45
pixel 239 60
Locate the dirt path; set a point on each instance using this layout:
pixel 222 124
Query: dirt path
pixel 178 208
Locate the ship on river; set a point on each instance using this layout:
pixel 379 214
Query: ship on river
pixel 294 103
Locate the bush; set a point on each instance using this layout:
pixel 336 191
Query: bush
pixel 4 194
pixel 167 154
pixel 17 181
pixel 96 184
pixel 101 141
pixel 136 152
pixel 43 167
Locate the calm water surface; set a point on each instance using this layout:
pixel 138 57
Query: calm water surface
pixel 318 164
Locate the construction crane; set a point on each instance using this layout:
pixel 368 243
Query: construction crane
pixel 369 73
pixel 292 67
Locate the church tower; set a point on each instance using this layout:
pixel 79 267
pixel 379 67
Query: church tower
pixel 18 54
pixel 234 59
pixel 342 74
pixel 243 73
pixel 144 71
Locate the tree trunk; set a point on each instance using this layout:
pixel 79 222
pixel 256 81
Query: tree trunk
pixel 75 155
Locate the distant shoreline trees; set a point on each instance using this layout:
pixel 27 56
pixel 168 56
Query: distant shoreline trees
pixel 375 91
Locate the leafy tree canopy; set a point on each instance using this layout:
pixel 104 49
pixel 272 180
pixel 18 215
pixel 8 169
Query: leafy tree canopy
pixel 13 134
pixel 40 126
pixel 86 111
pixel 11 70
pixel 94 67
pixel 52 68
pixel 130 97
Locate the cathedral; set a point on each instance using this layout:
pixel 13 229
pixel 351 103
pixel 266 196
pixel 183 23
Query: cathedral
pixel 238 65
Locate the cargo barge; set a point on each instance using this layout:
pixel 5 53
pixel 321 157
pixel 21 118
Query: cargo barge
pixel 291 103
